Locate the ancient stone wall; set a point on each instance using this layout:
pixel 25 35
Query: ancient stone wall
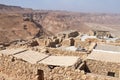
pixel 103 68
pixel 100 33
pixel 73 34
pixel 60 52
pixel 68 42
pixel 68 34
pixel 48 42
pixel 91 76
pixel 84 44
pixel 21 70
pixel 62 73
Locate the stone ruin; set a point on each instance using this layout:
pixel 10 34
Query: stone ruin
pixel 28 17
pixel 26 69
pixel 101 34
pixel 37 17
pixel 68 34
pixel 20 68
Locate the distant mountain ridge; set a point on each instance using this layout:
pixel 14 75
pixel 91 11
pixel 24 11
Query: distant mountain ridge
pixel 7 6
pixel 13 9
pixel 52 22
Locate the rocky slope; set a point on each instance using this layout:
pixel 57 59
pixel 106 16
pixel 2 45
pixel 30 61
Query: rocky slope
pixel 56 21
pixel 13 27
pixel 13 9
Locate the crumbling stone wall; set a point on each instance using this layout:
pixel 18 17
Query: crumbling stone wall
pixel 68 34
pixel 82 44
pixel 60 52
pixel 68 42
pixel 103 68
pixel 48 42
pixel 73 34
pixel 21 70
pixel 63 73
pixel 100 33
pixel 91 76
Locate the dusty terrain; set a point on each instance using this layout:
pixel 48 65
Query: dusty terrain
pixel 27 28
pixel 12 27
pixel 13 9
pixel 59 21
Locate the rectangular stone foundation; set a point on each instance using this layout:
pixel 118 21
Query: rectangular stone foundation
pixel 103 68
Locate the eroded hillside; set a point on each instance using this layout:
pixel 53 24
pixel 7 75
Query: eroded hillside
pixel 57 21
pixel 13 9
pixel 13 27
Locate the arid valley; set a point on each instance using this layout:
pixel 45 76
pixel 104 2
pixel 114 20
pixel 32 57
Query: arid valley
pixel 58 45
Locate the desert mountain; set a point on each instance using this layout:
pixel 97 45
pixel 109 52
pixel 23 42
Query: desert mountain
pixel 13 9
pixel 12 25
pixel 56 21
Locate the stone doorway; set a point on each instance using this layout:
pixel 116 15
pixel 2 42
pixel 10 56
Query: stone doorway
pixel 40 74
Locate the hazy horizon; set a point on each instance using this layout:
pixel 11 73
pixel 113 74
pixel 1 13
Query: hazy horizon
pixel 101 6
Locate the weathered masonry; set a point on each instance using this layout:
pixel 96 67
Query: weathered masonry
pixel 25 64
pixel 100 34
pixel 104 60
